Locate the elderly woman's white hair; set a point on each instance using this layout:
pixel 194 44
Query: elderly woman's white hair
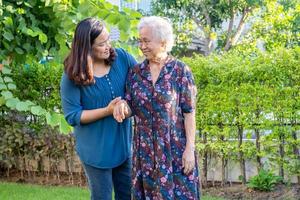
pixel 161 29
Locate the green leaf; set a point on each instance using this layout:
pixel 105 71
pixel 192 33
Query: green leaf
pixel 1 10
pixel 61 8
pixel 19 51
pixel 135 14
pixel 43 112
pixel 48 119
pixel 12 102
pixel 6 70
pixel 43 37
pixel 55 119
pixel 8 35
pixel 22 26
pixel 21 11
pixel 7 46
pixel 29 103
pixel 36 110
pixel 249 135
pixel 124 36
pixel 107 5
pixel 11 86
pixel 85 8
pixel 8 80
pixel 64 127
pixel 31 32
pixel 22 106
pixel 7 94
pixel 60 38
pixel 3 86
pixel 47 2
pixel 2 101
pixel 27 46
pixel 8 21
pixel 28 4
pixel 124 25
pixel 10 9
pixel 112 19
pixel 103 13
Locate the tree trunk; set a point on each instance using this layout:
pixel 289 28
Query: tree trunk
pixel 281 145
pixel 257 141
pixel 205 161
pixel 296 151
pixel 223 159
pixel 241 155
pixel 224 163
pixel 281 153
pixel 258 157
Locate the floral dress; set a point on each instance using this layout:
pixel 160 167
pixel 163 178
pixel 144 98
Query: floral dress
pixel 159 139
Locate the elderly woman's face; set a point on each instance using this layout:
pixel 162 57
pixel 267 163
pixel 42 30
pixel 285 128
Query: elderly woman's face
pixel 149 45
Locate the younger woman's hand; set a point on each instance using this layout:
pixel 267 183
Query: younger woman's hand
pixel 110 107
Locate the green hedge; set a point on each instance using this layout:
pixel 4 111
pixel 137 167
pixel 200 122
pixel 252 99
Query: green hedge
pixel 250 96
pixel 239 97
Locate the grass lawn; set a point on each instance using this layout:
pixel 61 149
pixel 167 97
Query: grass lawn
pixel 14 191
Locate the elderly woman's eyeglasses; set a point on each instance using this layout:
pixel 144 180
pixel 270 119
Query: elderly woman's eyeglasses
pixel 143 42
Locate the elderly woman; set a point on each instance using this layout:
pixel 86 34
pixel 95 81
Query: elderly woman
pixel 161 95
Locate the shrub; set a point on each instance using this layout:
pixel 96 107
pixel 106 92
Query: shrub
pixel 264 181
pixel 39 82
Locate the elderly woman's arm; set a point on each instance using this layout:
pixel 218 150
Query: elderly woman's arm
pixel 188 158
pixel 188 94
pixel 190 130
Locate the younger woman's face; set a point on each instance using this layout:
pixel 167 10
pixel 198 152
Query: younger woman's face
pixel 101 46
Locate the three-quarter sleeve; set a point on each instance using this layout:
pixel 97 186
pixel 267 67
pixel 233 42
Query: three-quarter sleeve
pixel 70 99
pixel 188 91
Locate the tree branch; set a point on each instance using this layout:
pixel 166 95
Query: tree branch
pixel 207 17
pixel 199 24
pixel 229 31
pixel 207 40
pixel 240 28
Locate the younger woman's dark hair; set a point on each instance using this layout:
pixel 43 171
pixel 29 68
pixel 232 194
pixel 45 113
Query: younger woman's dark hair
pixel 78 64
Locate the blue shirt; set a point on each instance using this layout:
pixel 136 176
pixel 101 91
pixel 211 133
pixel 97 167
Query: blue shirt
pixel 104 143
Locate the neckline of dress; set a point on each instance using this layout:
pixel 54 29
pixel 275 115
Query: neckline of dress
pixel 105 75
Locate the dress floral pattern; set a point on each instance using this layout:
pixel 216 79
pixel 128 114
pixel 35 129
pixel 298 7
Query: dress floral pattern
pixel 159 139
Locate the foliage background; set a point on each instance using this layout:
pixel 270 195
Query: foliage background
pixel 248 102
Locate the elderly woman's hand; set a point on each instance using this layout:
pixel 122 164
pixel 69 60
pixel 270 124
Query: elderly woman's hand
pixel 121 110
pixel 188 160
